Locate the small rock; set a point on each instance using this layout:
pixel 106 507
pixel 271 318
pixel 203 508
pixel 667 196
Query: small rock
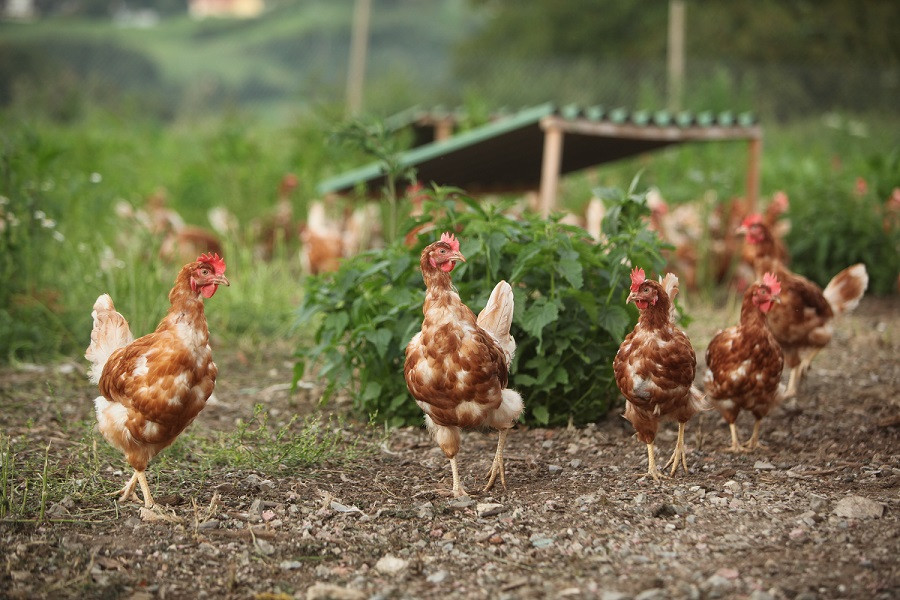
pixel 495 539
pixel 426 511
pixel 540 541
pixel 437 577
pixel 554 468
pixel 488 509
pixel 290 565
pixel 391 565
pixel 796 534
pixel 857 507
pixel 728 573
pixel 761 595
pixel 717 581
pixel 763 465
pixel 614 595
pixel 208 524
pixel 461 502
pixel 265 547
pixel 652 594
pixel 327 591
pixel 342 508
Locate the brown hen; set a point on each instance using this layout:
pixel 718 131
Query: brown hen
pixel 457 366
pixel 802 321
pixel 744 363
pixel 655 368
pixel 153 387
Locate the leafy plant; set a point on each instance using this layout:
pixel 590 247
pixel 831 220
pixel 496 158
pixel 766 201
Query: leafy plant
pixel 838 224
pixel 569 319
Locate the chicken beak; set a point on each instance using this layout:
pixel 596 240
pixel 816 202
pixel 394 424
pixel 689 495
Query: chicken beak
pixel 457 257
pixel 631 297
pixel 220 280
pixel 740 230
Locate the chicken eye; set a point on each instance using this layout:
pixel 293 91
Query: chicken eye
pixel 204 272
pixel 443 251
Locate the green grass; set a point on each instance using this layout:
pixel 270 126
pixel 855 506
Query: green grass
pixel 78 469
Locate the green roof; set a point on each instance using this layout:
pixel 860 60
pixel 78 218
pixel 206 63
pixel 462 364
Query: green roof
pixel 506 153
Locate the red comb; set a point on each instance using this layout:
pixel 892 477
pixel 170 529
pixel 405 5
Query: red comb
pixel 218 264
pixel 771 282
pixel 637 278
pixel 450 239
pixel 752 220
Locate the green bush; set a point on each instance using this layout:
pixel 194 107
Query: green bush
pixel 570 314
pixel 840 220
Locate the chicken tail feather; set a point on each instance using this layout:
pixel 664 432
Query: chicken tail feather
pixel 496 318
pixel 700 401
pixel 110 333
pixel 845 289
pixel 670 286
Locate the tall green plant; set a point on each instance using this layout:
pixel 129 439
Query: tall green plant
pixel 569 319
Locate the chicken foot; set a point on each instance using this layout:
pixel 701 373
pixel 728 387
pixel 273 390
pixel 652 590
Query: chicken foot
pixel 753 443
pixel 652 471
pixel 678 453
pixel 128 491
pixel 497 465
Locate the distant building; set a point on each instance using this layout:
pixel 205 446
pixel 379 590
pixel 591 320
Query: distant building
pixel 20 9
pixel 240 9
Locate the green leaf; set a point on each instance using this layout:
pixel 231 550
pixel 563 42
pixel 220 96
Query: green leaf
pixel 541 414
pixel 381 338
pixel 615 320
pixel 537 316
pixel 569 267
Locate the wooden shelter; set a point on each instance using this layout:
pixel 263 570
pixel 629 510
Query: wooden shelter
pixel 531 149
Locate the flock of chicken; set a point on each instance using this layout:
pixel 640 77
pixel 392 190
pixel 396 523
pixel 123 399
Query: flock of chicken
pixel 457 366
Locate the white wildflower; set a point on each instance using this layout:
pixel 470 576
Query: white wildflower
pixel 39 215
pixel 96 177
pixel 58 236
pixel 108 260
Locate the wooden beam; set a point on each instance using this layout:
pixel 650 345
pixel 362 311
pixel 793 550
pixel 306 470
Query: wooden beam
pixel 667 133
pixel 552 161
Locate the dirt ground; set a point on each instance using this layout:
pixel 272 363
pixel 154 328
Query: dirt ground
pixel 816 514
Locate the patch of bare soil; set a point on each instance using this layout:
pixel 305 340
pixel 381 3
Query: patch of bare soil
pixel 816 514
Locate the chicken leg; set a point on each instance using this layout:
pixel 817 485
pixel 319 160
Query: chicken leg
pixel 678 453
pixel 458 489
pixel 652 471
pixel 128 491
pixel 497 465
pixel 735 445
pixel 753 443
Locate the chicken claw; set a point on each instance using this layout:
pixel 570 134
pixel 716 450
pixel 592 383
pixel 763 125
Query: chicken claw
pixel 678 453
pixel 497 465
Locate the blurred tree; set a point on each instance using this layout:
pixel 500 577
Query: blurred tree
pixel 757 30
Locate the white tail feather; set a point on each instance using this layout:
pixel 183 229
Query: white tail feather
pixel 846 289
pixel 670 286
pixel 496 318
pixel 110 333
pixel 700 401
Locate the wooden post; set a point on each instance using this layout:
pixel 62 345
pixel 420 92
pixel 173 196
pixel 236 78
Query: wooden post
pixel 443 129
pixel 676 54
pixel 359 42
pixel 754 148
pixel 553 145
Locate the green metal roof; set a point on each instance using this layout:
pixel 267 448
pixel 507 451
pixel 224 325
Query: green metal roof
pixel 506 154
